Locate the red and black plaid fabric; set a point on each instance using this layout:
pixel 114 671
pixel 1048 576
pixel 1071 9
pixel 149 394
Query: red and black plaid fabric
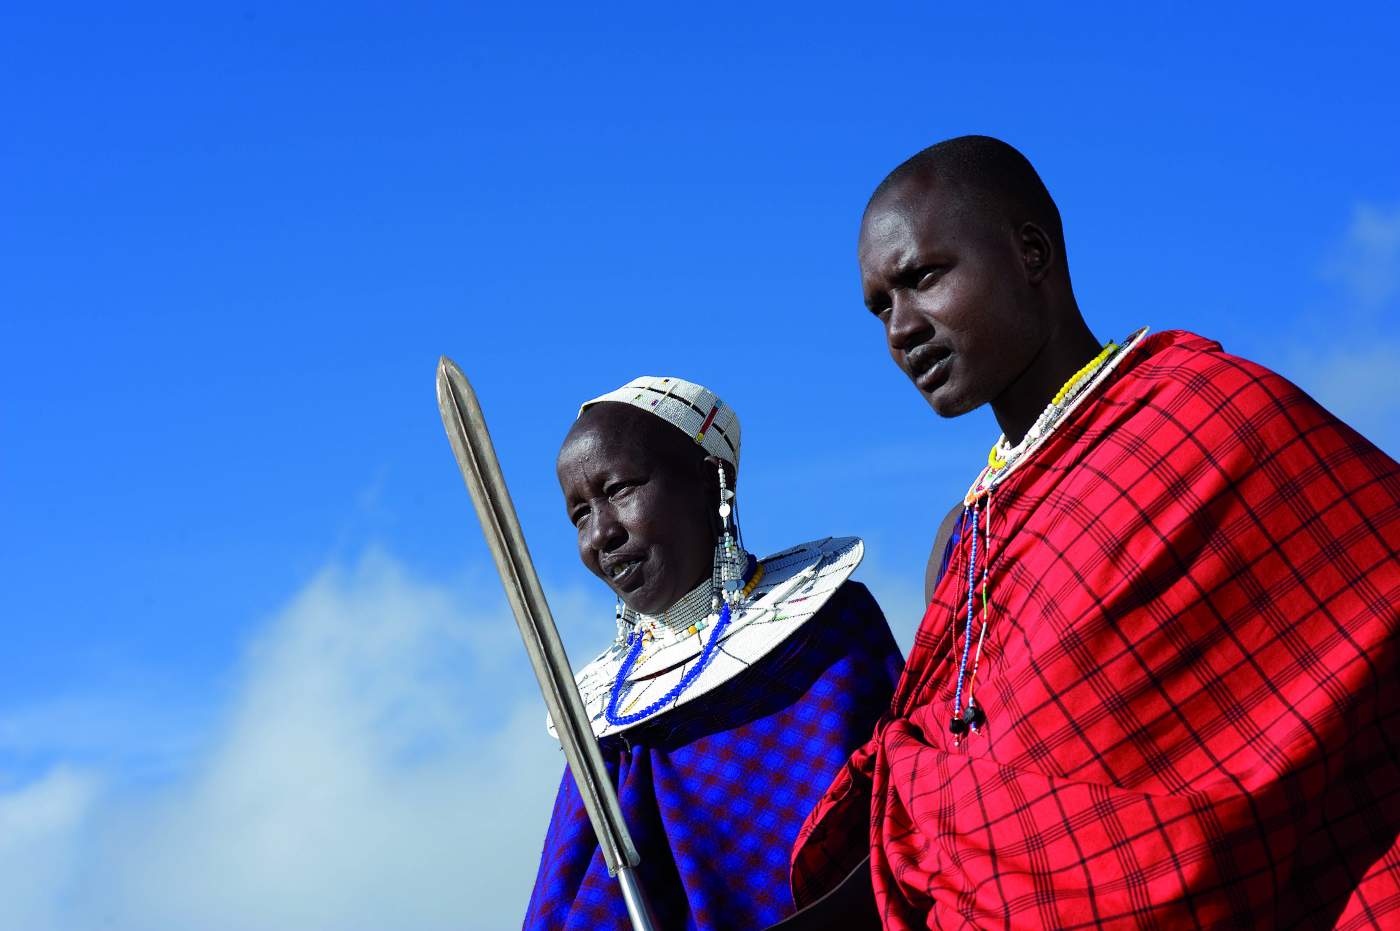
pixel 1190 680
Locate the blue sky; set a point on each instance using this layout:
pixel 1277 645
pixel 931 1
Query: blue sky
pixel 242 591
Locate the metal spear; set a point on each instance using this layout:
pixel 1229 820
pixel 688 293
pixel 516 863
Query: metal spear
pixel 471 444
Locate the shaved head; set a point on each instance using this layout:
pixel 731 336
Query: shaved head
pixel 962 258
pixel 987 175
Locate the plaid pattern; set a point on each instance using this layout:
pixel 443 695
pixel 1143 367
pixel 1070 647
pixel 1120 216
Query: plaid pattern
pixel 1190 680
pixel 714 791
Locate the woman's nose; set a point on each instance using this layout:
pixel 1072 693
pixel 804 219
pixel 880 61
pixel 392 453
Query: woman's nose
pixel 605 532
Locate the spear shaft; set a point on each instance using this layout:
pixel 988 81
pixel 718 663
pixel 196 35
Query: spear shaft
pixel 476 456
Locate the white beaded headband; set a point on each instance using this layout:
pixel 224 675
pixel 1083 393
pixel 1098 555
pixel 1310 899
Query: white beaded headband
pixel 689 407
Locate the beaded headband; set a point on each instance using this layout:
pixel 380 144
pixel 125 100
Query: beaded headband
pixel 689 407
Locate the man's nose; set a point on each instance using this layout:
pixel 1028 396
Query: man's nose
pixel 906 327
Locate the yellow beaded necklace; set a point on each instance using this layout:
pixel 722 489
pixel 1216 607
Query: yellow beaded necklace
pixel 994 461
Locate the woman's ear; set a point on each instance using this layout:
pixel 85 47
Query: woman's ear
pixel 712 465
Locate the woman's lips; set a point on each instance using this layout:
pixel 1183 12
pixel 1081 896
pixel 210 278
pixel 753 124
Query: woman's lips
pixel 628 577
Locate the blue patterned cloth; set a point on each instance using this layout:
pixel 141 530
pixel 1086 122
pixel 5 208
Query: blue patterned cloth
pixel 715 791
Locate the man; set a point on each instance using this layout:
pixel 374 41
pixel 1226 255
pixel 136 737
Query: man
pixel 1155 685
pixel 735 688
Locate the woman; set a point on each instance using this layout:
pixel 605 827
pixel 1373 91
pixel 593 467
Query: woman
pixel 735 687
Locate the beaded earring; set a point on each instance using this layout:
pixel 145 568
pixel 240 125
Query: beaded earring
pixel 728 574
pixel 624 626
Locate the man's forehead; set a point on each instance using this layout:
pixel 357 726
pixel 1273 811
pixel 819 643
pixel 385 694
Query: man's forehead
pixel 917 212
pixel 887 222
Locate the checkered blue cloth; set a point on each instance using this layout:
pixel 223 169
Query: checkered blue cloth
pixel 715 791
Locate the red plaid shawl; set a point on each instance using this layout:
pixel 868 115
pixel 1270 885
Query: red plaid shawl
pixel 1190 679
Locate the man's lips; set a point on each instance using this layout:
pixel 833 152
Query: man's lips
pixel 928 366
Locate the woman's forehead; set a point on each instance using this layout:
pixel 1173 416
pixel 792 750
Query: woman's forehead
pixel 611 436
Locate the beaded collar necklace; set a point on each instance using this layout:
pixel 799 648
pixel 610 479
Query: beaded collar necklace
pixel 693 608
pixel 1002 461
pixel 752 576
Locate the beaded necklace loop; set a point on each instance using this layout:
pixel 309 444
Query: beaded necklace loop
pixel 1002 460
pixel 634 650
pixel 691 674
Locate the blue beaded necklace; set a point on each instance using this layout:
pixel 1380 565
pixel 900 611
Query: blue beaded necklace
pixel 634 649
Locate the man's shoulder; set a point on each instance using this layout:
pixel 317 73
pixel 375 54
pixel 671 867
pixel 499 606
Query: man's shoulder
pixel 1196 379
pixel 1187 361
pixel 1186 394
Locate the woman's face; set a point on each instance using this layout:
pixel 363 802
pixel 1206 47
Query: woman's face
pixel 636 490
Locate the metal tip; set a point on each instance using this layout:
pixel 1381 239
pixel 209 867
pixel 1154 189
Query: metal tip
pixel 447 370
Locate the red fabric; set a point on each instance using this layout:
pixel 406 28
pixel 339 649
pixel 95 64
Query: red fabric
pixel 1190 680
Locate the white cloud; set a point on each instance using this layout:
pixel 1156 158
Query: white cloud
pixel 40 827
pixel 1345 352
pixel 383 765
pixel 1367 262
pixel 1360 381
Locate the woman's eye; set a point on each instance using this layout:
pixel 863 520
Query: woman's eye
pixel 621 488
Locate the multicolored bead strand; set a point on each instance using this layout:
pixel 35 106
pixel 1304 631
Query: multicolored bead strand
pixel 958 725
pixel 976 716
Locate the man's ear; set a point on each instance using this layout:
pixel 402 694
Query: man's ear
pixel 1037 252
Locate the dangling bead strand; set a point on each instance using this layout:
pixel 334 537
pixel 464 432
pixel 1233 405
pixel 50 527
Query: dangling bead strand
pixel 731 561
pixel 959 725
pixel 976 716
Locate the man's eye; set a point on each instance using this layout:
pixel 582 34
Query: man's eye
pixel 578 517
pixel 620 490
pixel 928 277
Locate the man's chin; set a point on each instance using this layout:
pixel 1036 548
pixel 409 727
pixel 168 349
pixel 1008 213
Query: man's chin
pixel 947 402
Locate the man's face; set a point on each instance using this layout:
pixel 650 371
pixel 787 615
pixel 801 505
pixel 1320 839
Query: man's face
pixel 948 281
pixel 642 519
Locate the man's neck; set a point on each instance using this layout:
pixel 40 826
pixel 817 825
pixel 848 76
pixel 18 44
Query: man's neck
pixel 1066 352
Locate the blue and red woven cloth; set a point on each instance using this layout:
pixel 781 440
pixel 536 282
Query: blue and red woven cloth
pixel 714 792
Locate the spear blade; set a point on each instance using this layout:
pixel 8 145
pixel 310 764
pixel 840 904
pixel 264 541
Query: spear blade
pixel 476 456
